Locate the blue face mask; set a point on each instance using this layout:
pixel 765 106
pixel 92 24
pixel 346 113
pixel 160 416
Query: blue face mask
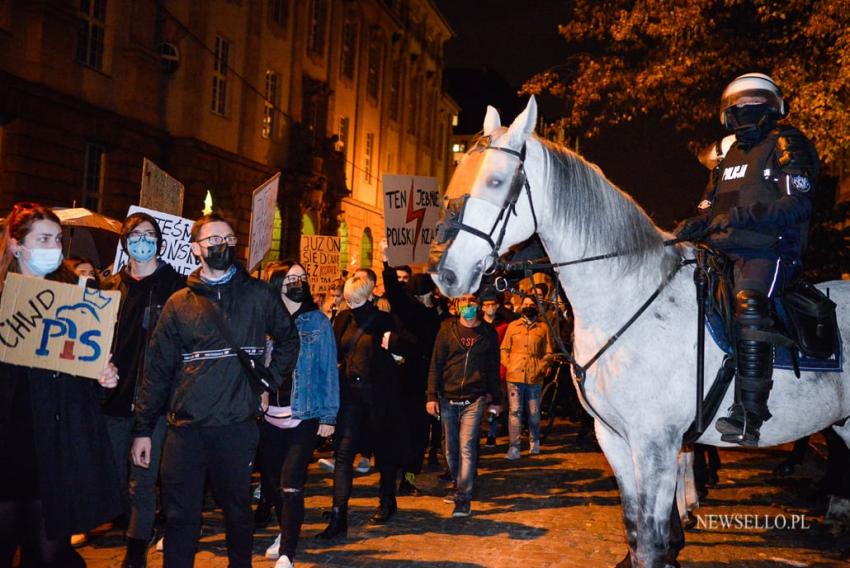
pixel 142 249
pixel 42 262
pixel 468 312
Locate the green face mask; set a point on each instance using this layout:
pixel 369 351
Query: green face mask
pixel 468 312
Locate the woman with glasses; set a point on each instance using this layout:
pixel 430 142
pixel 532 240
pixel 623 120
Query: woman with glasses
pixel 57 475
pixel 293 416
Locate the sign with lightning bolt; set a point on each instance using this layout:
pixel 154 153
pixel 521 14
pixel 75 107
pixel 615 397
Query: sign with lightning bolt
pixel 411 210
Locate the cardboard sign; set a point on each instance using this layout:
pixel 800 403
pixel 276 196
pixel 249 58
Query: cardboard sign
pixel 160 191
pixel 176 236
pixel 411 210
pixel 56 326
pixel 262 221
pixel 320 258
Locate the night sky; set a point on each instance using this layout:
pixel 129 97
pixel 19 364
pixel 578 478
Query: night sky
pixel 518 38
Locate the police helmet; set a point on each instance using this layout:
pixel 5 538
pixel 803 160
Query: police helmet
pixel 751 85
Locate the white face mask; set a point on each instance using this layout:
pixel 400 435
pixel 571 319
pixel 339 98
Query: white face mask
pixel 41 261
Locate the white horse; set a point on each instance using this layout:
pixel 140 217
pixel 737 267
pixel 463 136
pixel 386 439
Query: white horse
pixel 643 388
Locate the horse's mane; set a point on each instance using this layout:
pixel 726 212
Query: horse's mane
pixel 602 216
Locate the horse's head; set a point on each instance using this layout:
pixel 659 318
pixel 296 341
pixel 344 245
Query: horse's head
pixel 488 205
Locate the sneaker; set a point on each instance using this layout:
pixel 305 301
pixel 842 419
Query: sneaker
pixel 273 552
pixel 363 466
pixel 159 544
pixel 450 497
pixel 535 448
pixel 79 539
pixel 257 492
pixel 284 562
pixel 513 454
pixel 326 464
pixel 491 442
pixel 462 509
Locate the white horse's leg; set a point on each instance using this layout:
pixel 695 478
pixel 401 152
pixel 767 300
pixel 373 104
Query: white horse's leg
pixel 619 456
pixel 655 466
pixel 838 513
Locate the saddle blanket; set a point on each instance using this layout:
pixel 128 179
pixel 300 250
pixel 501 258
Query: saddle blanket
pixel 782 358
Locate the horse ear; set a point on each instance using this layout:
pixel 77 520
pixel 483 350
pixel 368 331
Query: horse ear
pixel 523 125
pixel 491 120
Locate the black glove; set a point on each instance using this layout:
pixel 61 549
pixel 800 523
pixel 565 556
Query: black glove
pixel 719 223
pixel 691 229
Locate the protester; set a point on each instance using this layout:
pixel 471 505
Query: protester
pixel 526 355
pixel 463 378
pixel 145 283
pixel 493 313
pixel 298 411
pixel 83 268
pixel 57 475
pixel 210 395
pixel 410 300
pixel 370 404
pixel 333 299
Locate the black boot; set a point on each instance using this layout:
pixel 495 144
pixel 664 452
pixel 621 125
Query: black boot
pixel 386 509
pixel 406 487
pixel 755 371
pixel 137 553
pixel 338 524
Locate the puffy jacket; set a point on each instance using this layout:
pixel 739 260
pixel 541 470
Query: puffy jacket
pixel 526 351
pixel 190 370
pixel 459 373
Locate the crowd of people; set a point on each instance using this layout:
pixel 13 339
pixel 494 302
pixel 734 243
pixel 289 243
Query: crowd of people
pixel 220 374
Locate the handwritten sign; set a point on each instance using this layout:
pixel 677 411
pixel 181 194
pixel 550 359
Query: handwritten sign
pixel 411 211
pixel 56 326
pixel 176 236
pixel 262 221
pixel 320 258
pixel 160 191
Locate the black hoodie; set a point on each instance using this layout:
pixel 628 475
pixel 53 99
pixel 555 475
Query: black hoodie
pixel 191 372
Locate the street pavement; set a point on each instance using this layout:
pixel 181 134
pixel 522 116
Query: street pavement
pixel 559 509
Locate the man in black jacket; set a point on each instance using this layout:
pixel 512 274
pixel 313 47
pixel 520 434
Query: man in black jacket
pixel 211 399
pixel 463 379
pixel 145 283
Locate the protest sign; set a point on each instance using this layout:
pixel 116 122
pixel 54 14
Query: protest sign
pixel 56 326
pixel 411 211
pixel 262 221
pixel 176 236
pixel 320 258
pixel 160 191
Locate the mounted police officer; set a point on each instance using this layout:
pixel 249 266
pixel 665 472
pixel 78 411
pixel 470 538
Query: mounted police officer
pixel 756 210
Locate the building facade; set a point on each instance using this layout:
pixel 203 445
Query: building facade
pixel 222 94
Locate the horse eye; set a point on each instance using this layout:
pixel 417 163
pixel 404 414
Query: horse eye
pixel 494 182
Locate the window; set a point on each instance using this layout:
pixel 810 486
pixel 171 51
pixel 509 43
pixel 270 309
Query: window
pixel 91 33
pixel 373 72
pixel 314 109
pixel 308 223
pixel 93 176
pixel 318 16
pixel 219 81
pixel 344 126
pixel 413 104
pixel 428 124
pixel 270 105
pixel 458 147
pixel 369 153
pixel 366 245
pixel 395 90
pixel 342 233
pixel 279 12
pixel 349 49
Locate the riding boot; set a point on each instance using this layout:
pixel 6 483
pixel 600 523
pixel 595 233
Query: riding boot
pixel 338 524
pixel 754 371
pixel 136 555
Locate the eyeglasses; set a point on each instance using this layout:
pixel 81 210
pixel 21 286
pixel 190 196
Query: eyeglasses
pixel 134 236
pixel 299 279
pixel 215 240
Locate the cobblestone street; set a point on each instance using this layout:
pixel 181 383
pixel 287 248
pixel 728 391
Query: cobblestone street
pixel 559 508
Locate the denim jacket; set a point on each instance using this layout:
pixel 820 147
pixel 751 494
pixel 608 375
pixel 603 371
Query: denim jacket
pixel 315 389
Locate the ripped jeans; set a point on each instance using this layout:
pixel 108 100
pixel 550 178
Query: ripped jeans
pixel 520 396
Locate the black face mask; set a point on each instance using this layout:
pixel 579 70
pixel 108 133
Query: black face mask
pixel 530 312
pixel 297 293
pixel 751 123
pixel 220 257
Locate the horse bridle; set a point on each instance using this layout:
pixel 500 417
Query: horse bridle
pixel 453 224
